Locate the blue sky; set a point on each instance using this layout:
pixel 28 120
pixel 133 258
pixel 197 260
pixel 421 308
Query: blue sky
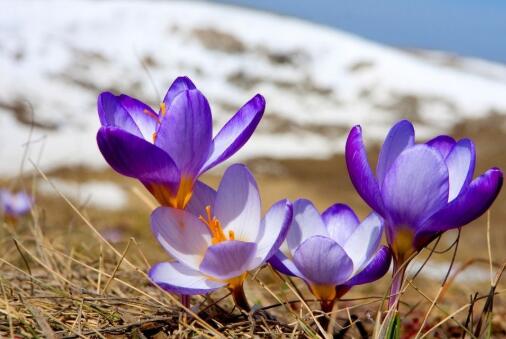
pixel 466 27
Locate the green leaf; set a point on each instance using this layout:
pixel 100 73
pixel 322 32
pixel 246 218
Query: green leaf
pixel 394 328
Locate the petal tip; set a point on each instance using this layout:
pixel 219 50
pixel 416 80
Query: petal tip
pixel 260 101
pixel 186 81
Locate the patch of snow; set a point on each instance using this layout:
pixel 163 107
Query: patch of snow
pixel 58 55
pixel 99 194
pixel 437 270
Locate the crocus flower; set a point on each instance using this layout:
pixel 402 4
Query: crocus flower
pixel 169 149
pixel 14 205
pixel 227 240
pixel 333 251
pixel 421 190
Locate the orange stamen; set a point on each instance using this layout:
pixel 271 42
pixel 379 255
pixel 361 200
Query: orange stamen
pixel 152 115
pixel 215 228
pixel 154 135
pixel 163 109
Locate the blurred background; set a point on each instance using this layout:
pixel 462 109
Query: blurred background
pixel 323 67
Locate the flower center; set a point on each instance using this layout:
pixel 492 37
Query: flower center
pixel 177 199
pixel 215 228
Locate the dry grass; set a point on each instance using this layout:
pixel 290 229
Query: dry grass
pixel 61 279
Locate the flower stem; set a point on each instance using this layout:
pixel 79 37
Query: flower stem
pixel 326 307
pixel 240 298
pixel 397 280
pixel 185 300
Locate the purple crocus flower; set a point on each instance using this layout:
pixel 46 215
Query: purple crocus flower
pixel 220 247
pixel 421 190
pixel 15 205
pixel 333 251
pixel 169 149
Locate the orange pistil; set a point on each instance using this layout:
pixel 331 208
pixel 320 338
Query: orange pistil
pixel 214 226
pixel 184 192
pixel 154 135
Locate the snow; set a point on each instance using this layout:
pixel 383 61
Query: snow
pixel 104 195
pixel 59 54
pixel 434 270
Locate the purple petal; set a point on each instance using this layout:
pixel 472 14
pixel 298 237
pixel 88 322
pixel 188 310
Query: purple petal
pixel 236 132
pixel 364 241
pixel 185 131
pixel 340 221
pixel 178 278
pixel 461 163
pixel 443 144
pixel 228 259
pixel 137 158
pixel 144 117
pixel 416 186
pixel 112 114
pixel 360 172
pixel 179 85
pixel 202 197
pixel 376 268
pixel 237 204
pixel 469 205
pixel 322 261
pixel 306 223
pixel 283 264
pixel 181 234
pixel 273 230
pixel 400 137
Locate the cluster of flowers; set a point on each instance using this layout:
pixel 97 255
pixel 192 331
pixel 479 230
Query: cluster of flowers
pixel 217 236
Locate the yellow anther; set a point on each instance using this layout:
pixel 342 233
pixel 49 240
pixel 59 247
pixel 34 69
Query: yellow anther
pixel 154 135
pixel 215 228
pixel 163 109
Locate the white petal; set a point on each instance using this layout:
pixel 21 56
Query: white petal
pixel 364 241
pixel 237 204
pixel 178 278
pixel 181 234
pixel 460 162
pixel 306 223
pixel 273 231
